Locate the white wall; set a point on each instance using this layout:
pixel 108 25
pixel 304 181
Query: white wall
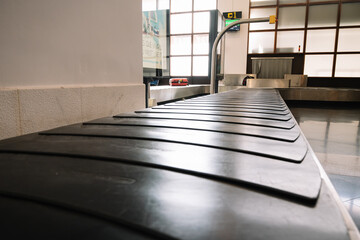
pixel 70 42
pixel 235 42
pixel 66 61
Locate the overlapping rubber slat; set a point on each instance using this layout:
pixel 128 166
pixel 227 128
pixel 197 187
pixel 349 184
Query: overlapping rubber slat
pixel 225 109
pixel 231 106
pixel 213 118
pixel 286 117
pixel 44 219
pixel 287 151
pixel 263 105
pixel 272 133
pixel 235 168
pixel 165 204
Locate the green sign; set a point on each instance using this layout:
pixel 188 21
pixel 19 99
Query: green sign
pixel 228 21
pixel 234 28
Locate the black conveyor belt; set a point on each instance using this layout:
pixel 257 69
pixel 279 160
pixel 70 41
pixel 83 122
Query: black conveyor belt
pixel 228 166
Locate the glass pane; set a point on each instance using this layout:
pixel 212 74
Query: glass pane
pixel 291 17
pixel 181 5
pixel 148 5
pixel 180 23
pixel 180 45
pixel 261 42
pixel 349 40
pixel 320 40
pixel 323 15
pixel 350 14
pixel 262 2
pixel 260 13
pixel 347 65
pixel 201 44
pixel 201 22
pixel 163 4
pixel 180 66
pixel 291 1
pixel 290 41
pixel 200 65
pixel 318 65
pixel 204 5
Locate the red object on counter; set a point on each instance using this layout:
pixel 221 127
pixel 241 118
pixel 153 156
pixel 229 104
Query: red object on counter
pixel 178 82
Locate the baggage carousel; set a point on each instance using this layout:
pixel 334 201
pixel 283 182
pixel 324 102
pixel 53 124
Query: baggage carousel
pixel 233 165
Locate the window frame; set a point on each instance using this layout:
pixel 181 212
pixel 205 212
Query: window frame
pixel 307 4
pixel 192 54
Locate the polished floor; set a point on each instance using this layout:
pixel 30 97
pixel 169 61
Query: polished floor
pixel 348 188
pixel 333 131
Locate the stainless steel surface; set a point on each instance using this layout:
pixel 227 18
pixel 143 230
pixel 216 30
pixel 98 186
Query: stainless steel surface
pixel 268 83
pixel 216 42
pixel 167 93
pixel 271 67
pixel 235 79
pixel 297 80
pixel 321 94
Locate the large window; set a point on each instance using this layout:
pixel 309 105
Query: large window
pixel 152 5
pixel 155 38
pixel 326 32
pixel 189 34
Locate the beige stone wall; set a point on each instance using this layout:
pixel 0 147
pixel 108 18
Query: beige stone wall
pixel 24 111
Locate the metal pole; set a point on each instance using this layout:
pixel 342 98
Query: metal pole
pixel 147 94
pixel 213 88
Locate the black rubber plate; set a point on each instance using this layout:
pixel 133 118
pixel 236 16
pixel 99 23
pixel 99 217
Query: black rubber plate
pixel 226 106
pixel 249 104
pixel 31 219
pixel 166 204
pixel 218 113
pixel 264 132
pixel 213 118
pixel 223 109
pixel 302 179
pixel 194 174
pixel 287 151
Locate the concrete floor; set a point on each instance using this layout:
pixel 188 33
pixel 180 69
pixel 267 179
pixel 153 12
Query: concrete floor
pixel 333 131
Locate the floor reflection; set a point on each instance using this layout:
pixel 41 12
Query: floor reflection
pixel 348 188
pixel 333 131
pixel 334 135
